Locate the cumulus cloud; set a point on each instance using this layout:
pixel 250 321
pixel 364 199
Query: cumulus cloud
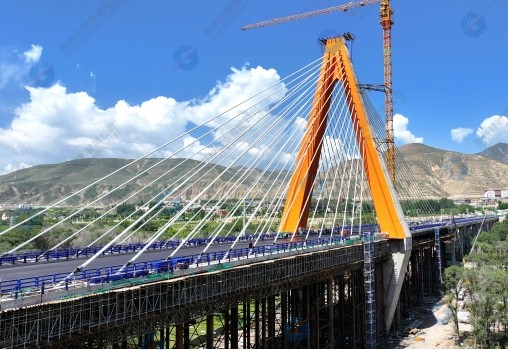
pixel 58 125
pixel 13 167
pixel 493 130
pixel 459 134
pixel 401 132
pixel 34 54
pixel 17 68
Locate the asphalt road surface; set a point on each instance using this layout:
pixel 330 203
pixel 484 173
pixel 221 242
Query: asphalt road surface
pixel 41 268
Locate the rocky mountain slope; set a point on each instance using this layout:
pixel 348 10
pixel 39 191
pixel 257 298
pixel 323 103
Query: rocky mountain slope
pixel 497 152
pixel 442 173
pixel 438 173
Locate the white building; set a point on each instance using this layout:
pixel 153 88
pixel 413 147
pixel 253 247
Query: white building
pixel 496 193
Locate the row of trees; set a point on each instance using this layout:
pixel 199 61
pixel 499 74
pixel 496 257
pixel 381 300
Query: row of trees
pixel 482 286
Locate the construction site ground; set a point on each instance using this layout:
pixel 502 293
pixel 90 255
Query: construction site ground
pixel 428 326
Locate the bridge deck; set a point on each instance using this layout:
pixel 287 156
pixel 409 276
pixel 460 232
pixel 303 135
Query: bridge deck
pixel 175 300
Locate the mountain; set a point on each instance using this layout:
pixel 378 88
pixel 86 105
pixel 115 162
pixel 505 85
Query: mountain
pixel 497 152
pixel 44 184
pixel 438 173
pixel 441 173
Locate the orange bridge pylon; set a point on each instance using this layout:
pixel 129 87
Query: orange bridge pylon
pixel 337 67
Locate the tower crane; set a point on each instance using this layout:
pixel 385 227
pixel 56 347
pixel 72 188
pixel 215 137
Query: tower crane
pixel 386 22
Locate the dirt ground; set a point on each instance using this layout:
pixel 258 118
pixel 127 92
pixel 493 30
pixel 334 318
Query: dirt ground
pixel 427 327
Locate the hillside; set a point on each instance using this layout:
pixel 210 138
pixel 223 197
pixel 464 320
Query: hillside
pixel 442 173
pixel 438 173
pixel 497 152
pixel 45 184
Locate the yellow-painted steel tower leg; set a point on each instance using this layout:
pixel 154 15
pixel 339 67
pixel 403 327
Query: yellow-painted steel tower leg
pixel 337 67
pixel 296 208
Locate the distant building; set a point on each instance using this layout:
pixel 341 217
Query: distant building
pixel 222 212
pixel 496 193
pixel 6 216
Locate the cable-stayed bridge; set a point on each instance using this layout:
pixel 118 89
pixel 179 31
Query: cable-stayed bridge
pixel 323 257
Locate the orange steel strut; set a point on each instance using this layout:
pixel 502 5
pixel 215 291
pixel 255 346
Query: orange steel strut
pixel 337 67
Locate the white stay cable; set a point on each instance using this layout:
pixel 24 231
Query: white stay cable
pixel 188 205
pixel 161 230
pixel 192 171
pixel 285 111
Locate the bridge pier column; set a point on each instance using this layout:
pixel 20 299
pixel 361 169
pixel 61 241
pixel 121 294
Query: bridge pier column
pixel 162 336
pixel 419 274
pixel 186 335
pixel 429 263
pixel 454 252
pixel 227 331
pixel 330 299
pixel 209 331
pixel 342 310
pixel 314 315
pixel 246 324
pixel 380 304
pixel 257 342
pixel 271 321
pixel 234 327
pixel 179 336
pixel 264 323
pixel 306 313
pixel 352 301
pixel 166 339
pixel 284 317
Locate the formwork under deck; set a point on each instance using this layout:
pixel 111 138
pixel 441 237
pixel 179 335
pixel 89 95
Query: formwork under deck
pixel 304 300
pixel 310 300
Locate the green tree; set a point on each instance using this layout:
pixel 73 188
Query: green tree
pixel 502 206
pixel 453 284
pixel 125 209
pixel 486 281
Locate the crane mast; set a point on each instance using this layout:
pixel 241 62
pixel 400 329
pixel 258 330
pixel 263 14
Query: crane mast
pixel 386 23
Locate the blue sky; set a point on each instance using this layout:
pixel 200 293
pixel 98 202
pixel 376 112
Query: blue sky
pixel 449 68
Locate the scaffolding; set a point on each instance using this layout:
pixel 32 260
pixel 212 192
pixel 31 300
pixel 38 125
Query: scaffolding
pixel 437 246
pixel 370 291
pixel 114 316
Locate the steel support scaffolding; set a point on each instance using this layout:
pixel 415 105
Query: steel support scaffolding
pixel 370 292
pixel 314 299
pixel 437 248
pixel 135 316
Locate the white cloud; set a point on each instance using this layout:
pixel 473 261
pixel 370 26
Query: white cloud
pixel 459 134
pixel 401 133
pixel 34 54
pixel 493 130
pixel 58 125
pixel 13 167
